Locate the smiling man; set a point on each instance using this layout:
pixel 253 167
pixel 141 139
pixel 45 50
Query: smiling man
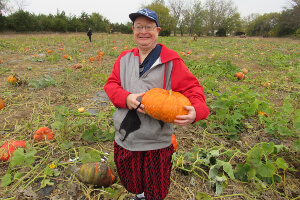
pixel 143 146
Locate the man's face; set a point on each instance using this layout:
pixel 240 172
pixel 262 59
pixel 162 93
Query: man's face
pixel 145 39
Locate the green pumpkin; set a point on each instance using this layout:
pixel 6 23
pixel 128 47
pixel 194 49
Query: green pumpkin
pixel 97 173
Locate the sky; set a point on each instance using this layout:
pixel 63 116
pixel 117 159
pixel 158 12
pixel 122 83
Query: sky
pixel 117 11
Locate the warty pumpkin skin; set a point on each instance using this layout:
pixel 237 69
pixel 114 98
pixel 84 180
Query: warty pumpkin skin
pixel 43 133
pixel 97 173
pixel 165 105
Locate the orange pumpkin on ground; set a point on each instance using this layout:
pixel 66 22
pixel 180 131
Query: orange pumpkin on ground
pixel 245 71
pixel 174 142
pixel 8 148
pixel 97 173
pixel 2 104
pixel 66 56
pixel 49 51
pixel 80 50
pixel 98 57
pixel 12 79
pixel 240 75
pixel 92 59
pixel 164 104
pixel 43 133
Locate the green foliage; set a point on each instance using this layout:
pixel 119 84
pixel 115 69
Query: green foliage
pixel 42 82
pixel 233 106
pixel 261 167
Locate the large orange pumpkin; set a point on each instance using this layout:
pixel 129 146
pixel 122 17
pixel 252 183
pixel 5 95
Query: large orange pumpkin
pixel 2 104
pixel 97 173
pixel 43 133
pixel 164 104
pixel 8 148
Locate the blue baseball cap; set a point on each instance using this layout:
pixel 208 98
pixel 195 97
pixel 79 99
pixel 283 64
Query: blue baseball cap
pixel 145 12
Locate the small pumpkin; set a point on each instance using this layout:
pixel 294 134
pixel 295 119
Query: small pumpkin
pixel 97 173
pixel 92 59
pixel 245 71
pixel 66 56
pixel 98 57
pixel 49 51
pixel 77 66
pixel 164 104
pixel 43 133
pixel 174 142
pixel 8 148
pixel 80 50
pixel 240 75
pixel 2 104
pixel 12 79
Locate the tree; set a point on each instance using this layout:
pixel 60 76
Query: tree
pixel 289 20
pixel 4 7
pixel 176 7
pixel 193 18
pixel 166 21
pixel 264 25
pixel 217 12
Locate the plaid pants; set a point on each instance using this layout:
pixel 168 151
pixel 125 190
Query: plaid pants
pixel 145 171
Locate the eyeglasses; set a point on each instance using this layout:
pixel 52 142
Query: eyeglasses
pixel 147 28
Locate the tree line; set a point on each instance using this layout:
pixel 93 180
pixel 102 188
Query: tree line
pixel 177 17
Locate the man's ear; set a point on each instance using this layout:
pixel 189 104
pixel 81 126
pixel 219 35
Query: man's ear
pixel 158 30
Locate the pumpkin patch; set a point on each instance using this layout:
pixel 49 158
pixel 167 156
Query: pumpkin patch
pixel 165 105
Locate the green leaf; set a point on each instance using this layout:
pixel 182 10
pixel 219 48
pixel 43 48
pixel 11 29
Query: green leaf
pixel 254 157
pixel 268 147
pixel 46 182
pixel 203 196
pixel 6 180
pixel 213 171
pixel 296 146
pixel 227 167
pixel 66 145
pixel 284 131
pixel 18 175
pixel 281 163
pixel 266 170
pixel 219 188
pixel 288 107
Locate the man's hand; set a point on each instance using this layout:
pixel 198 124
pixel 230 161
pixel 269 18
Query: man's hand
pixel 183 120
pixel 132 102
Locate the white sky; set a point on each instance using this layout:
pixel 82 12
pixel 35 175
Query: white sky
pixel 117 11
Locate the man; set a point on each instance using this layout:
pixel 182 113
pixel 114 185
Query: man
pixel 89 33
pixel 143 145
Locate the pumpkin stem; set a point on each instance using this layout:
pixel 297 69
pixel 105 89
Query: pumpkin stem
pixel 170 92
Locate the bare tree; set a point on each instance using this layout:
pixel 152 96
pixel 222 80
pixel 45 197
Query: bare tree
pixel 176 7
pixel 5 7
pixel 21 4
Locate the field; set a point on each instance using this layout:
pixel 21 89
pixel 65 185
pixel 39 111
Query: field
pixel 248 147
